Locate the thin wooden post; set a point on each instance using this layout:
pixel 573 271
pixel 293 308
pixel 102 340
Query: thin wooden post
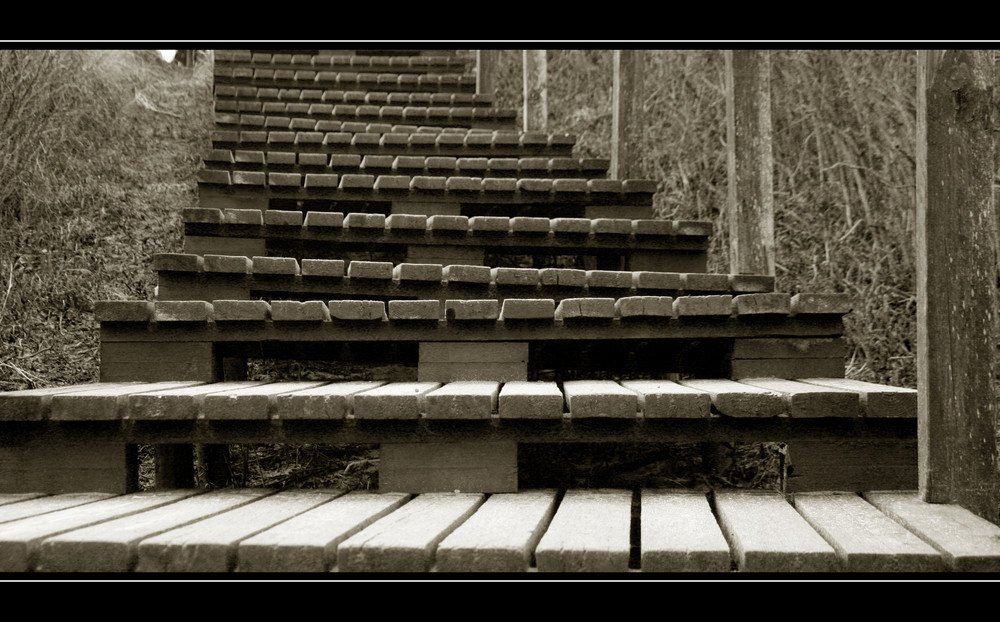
pixel 957 302
pixel 486 68
pixel 626 116
pixel 536 109
pixel 751 163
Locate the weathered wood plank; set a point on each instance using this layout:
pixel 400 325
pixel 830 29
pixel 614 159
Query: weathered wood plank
pixel 463 400
pixel 469 466
pixel 876 400
pixel 740 400
pixel 663 398
pixel 112 546
pixel 328 401
pixel 249 402
pixel 751 161
pixel 967 542
pixel 531 400
pixel 590 532
pixel 19 539
pixel 104 403
pixel 501 536
pixel 178 403
pixel 599 398
pixel 398 400
pixel 680 533
pixel 851 464
pixel 626 111
pixel 808 400
pixel 16 506
pixel 210 545
pixel 35 404
pixel 308 542
pixel 407 539
pixel 866 540
pixel 958 313
pixel 536 111
pixel 766 534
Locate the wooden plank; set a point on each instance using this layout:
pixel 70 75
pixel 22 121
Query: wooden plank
pixel 664 398
pixel 626 114
pixel 793 368
pixel 463 400
pixel 865 539
pixel 309 542
pixel 486 66
pixel 789 348
pixel 112 546
pixel 958 311
pixel 177 404
pixel 967 542
pixel 210 544
pixel 736 399
pixel 34 404
pixel 501 536
pixel 680 533
pixel 536 111
pixel 750 160
pixel 468 466
pixel 590 532
pixel 17 506
pixel 406 540
pixel 599 398
pixel 876 400
pixel 766 534
pixel 530 400
pixel 329 401
pixel 851 465
pixel 104 403
pixel 45 463
pixel 447 362
pixel 249 402
pixel 398 400
pixel 20 539
pixel 159 362
pixel 809 400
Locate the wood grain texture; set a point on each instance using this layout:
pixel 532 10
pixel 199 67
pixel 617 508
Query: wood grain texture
pixel 589 533
pixel 501 536
pixel 958 312
pixel 210 544
pixel 967 542
pixel 866 540
pixel 626 111
pixel 531 400
pixel 663 398
pixel 406 540
pixel 680 533
pixel 308 542
pixel 468 466
pixel 740 400
pixel 766 534
pixel 112 546
pixel 809 400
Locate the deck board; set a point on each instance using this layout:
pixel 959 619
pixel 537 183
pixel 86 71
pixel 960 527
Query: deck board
pixel 680 534
pixel 590 532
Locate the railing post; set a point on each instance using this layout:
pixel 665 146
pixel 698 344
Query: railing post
pixel 957 302
pixel 486 65
pixel 626 114
pixel 536 110
pixel 751 164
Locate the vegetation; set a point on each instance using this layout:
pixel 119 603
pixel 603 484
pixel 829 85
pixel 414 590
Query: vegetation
pixel 99 151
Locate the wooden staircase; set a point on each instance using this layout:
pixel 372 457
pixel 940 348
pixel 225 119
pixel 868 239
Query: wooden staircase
pixel 372 205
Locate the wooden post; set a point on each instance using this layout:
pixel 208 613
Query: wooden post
pixel 626 114
pixel 751 164
pixel 486 67
pixel 536 110
pixel 957 304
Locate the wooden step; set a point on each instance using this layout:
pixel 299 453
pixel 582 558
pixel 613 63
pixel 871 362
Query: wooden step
pixel 646 531
pixel 433 115
pixel 341 164
pixel 331 78
pixel 269 102
pixel 342 62
pixel 402 139
pixel 637 400
pixel 211 277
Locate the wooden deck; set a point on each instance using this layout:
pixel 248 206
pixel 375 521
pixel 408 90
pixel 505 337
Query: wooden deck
pixel 543 531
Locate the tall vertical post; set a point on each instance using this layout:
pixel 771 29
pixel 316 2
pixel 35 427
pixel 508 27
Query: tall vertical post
pixel 536 109
pixel 751 163
pixel 626 114
pixel 486 67
pixel 957 303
